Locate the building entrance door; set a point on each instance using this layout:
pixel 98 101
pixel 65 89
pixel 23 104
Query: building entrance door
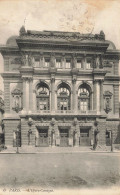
pixel 43 137
pixel 108 138
pixel 64 136
pixel 84 136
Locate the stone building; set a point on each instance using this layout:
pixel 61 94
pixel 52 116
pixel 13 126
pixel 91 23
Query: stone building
pixel 59 87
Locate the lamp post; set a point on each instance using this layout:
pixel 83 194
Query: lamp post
pixel 29 133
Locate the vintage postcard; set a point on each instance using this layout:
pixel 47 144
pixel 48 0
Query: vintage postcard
pixel 59 97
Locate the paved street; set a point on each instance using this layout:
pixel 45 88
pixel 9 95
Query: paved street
pixel 70 170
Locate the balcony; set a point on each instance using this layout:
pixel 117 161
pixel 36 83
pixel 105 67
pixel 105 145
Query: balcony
pixel 64 112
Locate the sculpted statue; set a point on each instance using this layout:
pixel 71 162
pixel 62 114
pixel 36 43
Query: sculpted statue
pixel 74 62
pixel 25 60
pixel 97 61
pixel 30 60
pixel 96 138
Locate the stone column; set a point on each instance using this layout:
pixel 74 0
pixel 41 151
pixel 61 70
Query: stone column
pixel 41 60
pixel 94 95
pixel 63 60
pixel 52 93
pixel 85 61
pixel 98 96
pixel 34 101
pixel 91 101
pixel 30 94
pixel 75 97
pixel 101 96
pixel 27 94
pixel 24 94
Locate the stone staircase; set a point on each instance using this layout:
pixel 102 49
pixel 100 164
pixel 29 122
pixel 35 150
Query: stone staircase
pixel 33 149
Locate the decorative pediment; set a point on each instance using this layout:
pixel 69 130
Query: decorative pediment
pixel 108 93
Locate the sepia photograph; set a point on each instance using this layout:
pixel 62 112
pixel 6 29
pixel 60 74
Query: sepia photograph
pixel 60 97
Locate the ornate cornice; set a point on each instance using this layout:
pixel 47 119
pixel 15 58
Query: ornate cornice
pixel 61 35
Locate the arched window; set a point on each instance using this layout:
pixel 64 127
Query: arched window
pixel 84 98
pixel 42 96
pixel 63 97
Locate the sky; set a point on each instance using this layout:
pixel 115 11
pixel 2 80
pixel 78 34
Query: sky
pixel 84 16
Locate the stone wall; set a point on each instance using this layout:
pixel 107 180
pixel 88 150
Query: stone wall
pixel 115 127
pixel 7 96
pixel 10 125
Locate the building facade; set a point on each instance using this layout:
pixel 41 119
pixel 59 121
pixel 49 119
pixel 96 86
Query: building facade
pixel 59 87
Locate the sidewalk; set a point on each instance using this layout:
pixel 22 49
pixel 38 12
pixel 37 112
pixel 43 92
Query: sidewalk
pixel 33 149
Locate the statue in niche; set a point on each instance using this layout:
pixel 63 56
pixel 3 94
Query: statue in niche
pixel 96 138
pixel 30 60
pixel 107 97
pixel 107 105
pixel 25 60
pixel 97 61
pixel 41 60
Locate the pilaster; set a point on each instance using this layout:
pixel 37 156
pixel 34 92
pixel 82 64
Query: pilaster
pixel 75 98
pixel 52 93
pixel 30 94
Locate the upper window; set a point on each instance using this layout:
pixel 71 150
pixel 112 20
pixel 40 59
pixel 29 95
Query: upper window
pixel 42 97
pixel 79 63
pixel 88 64
pixel 83 99
pixel 68 63
pixel 47 62
pixel 58 63
pixel 63 97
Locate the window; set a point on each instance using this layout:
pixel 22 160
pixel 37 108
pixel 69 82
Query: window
pixel 37 63
pixel 58 63
pixel 63 97
pixel 64 105
pixel 88 64
pixel 83 104
pixel 68 63
pixel 42 97
pixel 47 62
pixel 83 98
pixel 79 64
pixel 84 132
